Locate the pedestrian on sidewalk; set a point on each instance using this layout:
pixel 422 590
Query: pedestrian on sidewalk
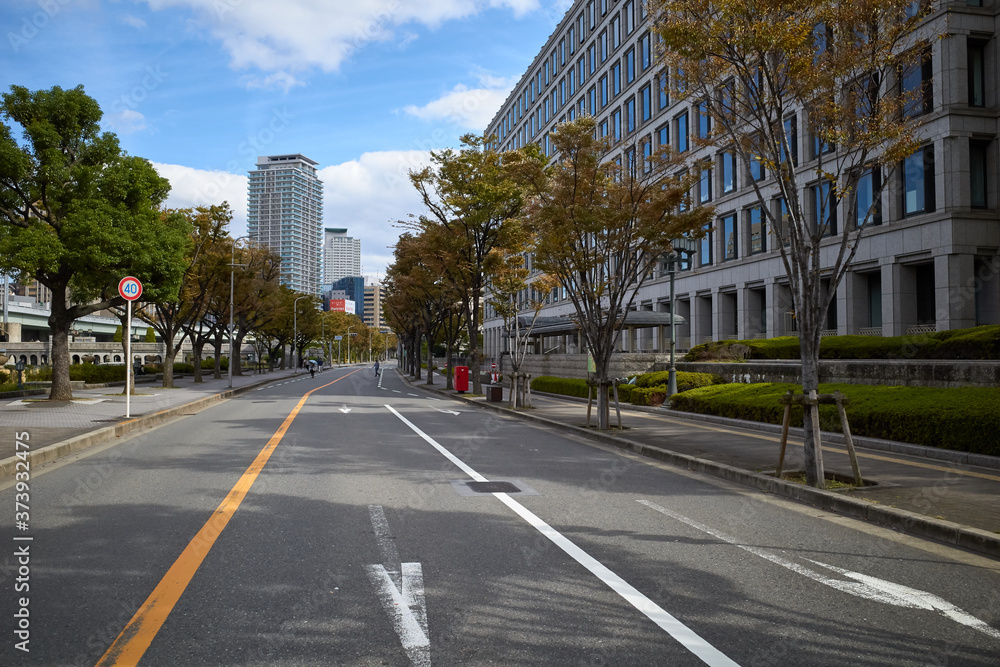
pixel 377 371
pixel 312 369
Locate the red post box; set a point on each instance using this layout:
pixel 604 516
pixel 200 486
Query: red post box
pixel 461 379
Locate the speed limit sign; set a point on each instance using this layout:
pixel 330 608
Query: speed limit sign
pixel 130 288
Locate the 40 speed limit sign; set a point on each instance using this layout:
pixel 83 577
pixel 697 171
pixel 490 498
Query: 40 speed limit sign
pixel 130 288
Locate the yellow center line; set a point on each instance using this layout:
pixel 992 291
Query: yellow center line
pixel 838 450
pixel 138 634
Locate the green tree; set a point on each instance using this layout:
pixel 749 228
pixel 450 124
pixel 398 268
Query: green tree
pixel 601 225
pixel 470 194
pixel 763 72
pixel 76 213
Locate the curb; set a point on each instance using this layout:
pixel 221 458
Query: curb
pixel 911 523
pixel 110 433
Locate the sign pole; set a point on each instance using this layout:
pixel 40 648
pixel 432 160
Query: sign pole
pixel 128 360
pixel 130 289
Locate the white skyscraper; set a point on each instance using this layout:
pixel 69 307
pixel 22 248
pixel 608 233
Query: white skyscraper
pixel 341 256
pixel 285 213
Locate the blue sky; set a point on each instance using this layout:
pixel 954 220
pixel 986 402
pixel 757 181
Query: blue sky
pixel 366 88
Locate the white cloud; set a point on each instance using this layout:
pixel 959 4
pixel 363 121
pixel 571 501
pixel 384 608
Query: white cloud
pixel 190 187
pixel 469 108
pixel 367 196
pixel 126 122
pixel 299 35
pixel 134 21
pixel 278 81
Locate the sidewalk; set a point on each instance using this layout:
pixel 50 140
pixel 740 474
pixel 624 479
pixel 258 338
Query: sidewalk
pixel 99 413
pixel 918 490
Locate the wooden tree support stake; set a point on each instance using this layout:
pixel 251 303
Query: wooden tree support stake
pixel 812 403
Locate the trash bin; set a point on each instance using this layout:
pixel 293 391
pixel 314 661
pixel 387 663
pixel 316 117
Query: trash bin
pixel 461 379
pixel 494 394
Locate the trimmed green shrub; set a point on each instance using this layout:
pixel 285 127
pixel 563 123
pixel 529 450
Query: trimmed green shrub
pixel 963 419
pixel 977 343
pixel 637 393
pixel 650 395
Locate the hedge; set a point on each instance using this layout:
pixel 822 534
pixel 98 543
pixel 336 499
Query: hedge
pixel 638 393
pixel 962 419
pixel 977 343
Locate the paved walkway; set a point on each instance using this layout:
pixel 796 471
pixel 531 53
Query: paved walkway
pixel 944 493
pixel 50 422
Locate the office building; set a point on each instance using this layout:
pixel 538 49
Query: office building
pixel 929 262
pixel 351 288
pixel 373 307
pixel 285 213
pixel 341 255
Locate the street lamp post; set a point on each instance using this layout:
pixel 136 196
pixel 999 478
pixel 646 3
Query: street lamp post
pixel 369 346
pixel 349 343
pixel 680 246
pixel 232 270
pixel 295 332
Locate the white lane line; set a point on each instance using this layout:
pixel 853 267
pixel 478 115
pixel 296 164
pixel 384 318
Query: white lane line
pixel 862 586
pixel 683 634
pixel 408 394
pixel 400 589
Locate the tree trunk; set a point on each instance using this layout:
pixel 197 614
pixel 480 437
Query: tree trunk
pixel 59 325
pixel 217 344
pixel 430 362
pixel 810 382
pixel 169 353
pixel 449 382
pixel 474 364
pixel 237 353
pixel 198 347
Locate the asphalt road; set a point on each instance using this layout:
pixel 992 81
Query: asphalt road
pixel 340 528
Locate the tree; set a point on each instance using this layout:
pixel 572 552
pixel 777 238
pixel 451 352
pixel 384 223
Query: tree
pixel 76 213
pixel 601 226
pixel 759 71
pixel 174 318
pixel 510 280
pixel 470 193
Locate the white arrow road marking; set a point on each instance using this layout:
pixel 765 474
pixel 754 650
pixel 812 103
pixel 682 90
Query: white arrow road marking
pixel 345 409
pixel 400 588
pixel 683 634
pixel 863 586
pixel 449 412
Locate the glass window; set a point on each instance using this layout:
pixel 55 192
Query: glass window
pixel 977 80
pixel 604 128
pixel 705 255
pixel 616 124
pixel 918 182
pixel 581 71
pixel 977 173
pixel 604 45
pixel 592 100
pixel 630 116
pixel 616 32
pixel 664 86
pixel 730 241
pixel 572 42
pixel 705 186
pixel 592 58
pixel 825 208
pixel 727 162
pixel 645 52
pixel 704 120
pixel 629 12
pixel 616 79
pixel 572 84
pixel 663 136
pixel 784 220
pixel 630 66
pixel 647 154
pixel 915 85
pixel 866 207
pixel 604 90
pixel 758 229
pixel 682 132
pixel 792 138
pixel 646 95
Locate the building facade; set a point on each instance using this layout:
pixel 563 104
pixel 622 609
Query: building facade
pixel 341 255
pixel 285 213
pixel 373 307
pixel 351 288
pixel 930 261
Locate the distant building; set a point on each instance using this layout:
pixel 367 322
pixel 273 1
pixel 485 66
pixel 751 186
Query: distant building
pixel 373 307
pixel 351 288
pixel 341 255
pixel 285 213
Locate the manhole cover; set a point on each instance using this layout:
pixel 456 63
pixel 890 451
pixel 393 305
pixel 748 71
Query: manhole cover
pixel 493 487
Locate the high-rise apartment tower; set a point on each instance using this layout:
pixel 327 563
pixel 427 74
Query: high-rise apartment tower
pixel 285 213
pixel 341 255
